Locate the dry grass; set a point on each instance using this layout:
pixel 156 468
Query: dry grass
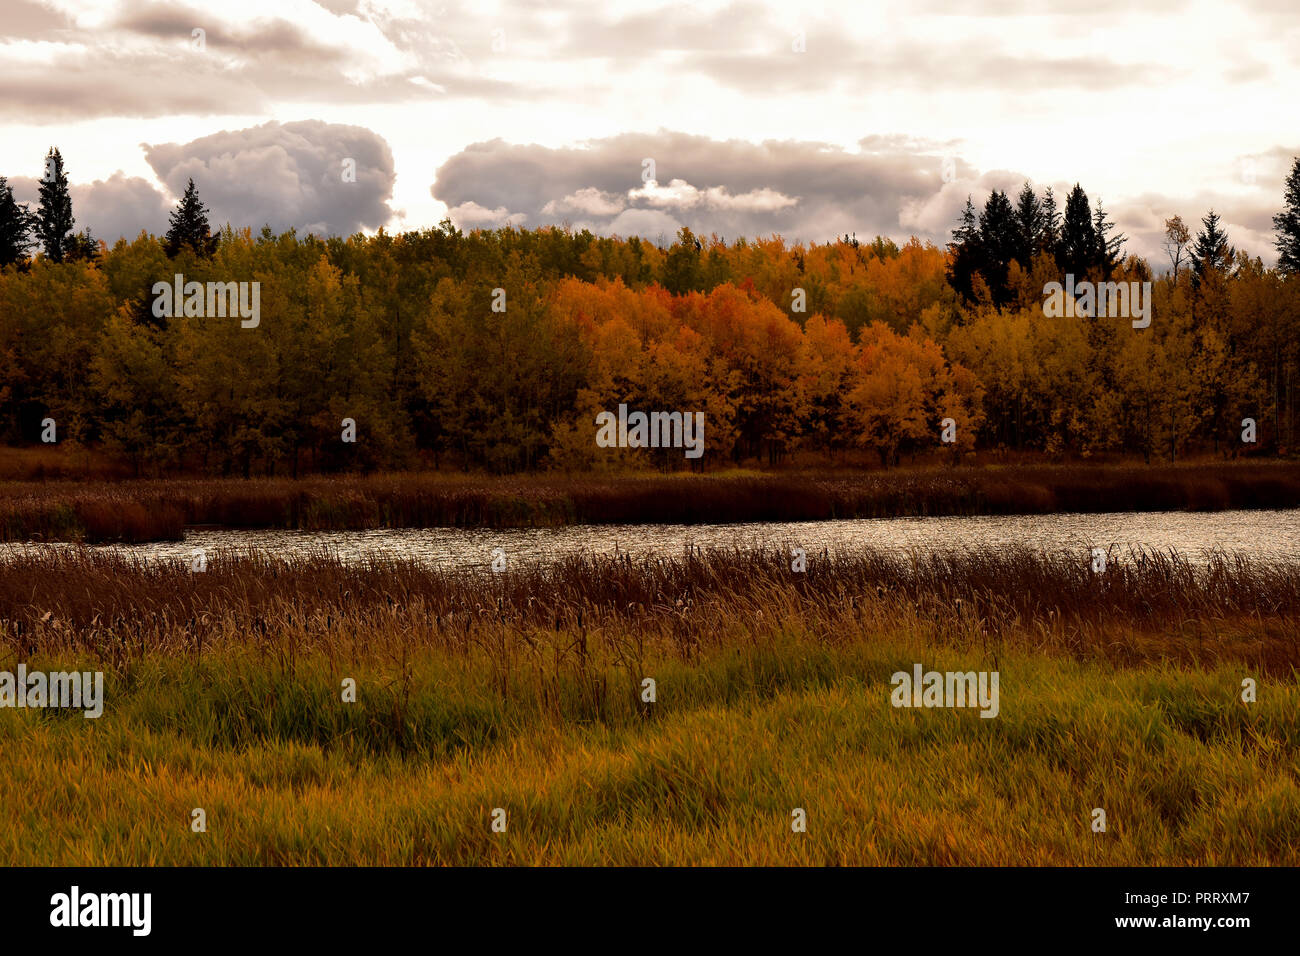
pixel 159 510
pixel 522 691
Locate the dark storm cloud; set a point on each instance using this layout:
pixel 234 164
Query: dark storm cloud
pixel 288 175
pixel 805 190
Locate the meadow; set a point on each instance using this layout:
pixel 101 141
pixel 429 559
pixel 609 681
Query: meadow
pixel 100 510
pixel 524 691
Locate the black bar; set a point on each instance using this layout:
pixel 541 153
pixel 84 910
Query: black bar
pixel 661 907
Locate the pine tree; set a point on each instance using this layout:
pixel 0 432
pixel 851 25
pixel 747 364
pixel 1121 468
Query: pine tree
pixel 1211 250
pixel 189 226
pixel 1078 235
pixel 82 246
pixel 1050 240
pixel 54 216
pixel 967 257
pixel 1108 246
pixel 16 223
pixel 1000 240
pixel 1287 224
pixel 1031 218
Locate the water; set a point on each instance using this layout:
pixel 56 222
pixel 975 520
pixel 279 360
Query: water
pixel 1271 536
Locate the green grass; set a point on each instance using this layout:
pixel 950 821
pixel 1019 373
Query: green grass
pixel 773 694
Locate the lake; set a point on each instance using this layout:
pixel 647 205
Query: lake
pixel 1272 536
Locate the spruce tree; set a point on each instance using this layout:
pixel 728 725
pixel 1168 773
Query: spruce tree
pixel 1000 240
pixel 1078 235
pixel 1031 219
pixel 54 216
pixel 1287 224
pixel 82 246
pixel 1211 250
pixel 189 226
pixel 966 253
pixel 1050 240
pixel 16 222
pixel 1108 246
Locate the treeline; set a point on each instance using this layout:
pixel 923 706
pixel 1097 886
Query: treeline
pixel 496 349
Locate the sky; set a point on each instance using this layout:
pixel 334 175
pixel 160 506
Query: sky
pixel 747 118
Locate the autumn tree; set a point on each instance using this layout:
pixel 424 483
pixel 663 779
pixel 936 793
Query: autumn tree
pixel 1175 242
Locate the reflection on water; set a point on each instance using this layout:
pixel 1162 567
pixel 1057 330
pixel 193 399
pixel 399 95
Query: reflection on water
pixel 1263 535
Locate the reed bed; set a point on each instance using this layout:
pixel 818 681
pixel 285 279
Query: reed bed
pixel 524 690
pixel 152 510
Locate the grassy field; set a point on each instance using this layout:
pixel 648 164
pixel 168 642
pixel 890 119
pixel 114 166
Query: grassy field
pixel 522 691
pixel 153 510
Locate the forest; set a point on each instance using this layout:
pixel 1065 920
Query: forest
pixel 496 350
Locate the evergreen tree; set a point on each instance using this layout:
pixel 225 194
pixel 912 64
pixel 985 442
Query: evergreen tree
pixel 1078 249
pixel 1211 250
pixel 54 216
pixel 966 256
pixel 1000 241
pixel 82 246
pixel 1108 246
pixel 16 223
pixel 189 226
pixel 1287 224
pixel 1031 218
pixel 1050 240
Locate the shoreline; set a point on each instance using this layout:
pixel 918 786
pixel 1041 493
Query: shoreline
pixel 145 510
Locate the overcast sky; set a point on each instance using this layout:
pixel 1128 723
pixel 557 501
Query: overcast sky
pixel 808 120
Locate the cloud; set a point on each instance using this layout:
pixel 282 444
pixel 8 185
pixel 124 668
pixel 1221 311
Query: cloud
pixel 892 185
pixel 471 215
pixel 142 59
pixel 588 202
pixel 120 206
pixel 805 190
pixel 111 208
pixel 285 175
